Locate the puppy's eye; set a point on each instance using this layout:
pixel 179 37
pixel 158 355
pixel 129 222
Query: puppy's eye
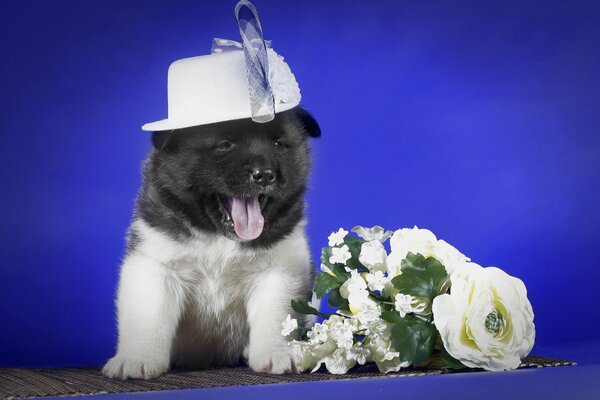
pixel 278 143
pixel 224 145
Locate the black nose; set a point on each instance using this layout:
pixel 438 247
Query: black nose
pixel 263 176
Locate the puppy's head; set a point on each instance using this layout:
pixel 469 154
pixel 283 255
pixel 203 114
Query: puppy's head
pixel 238 178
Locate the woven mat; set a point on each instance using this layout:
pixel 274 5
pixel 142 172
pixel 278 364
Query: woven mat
pixel 29 383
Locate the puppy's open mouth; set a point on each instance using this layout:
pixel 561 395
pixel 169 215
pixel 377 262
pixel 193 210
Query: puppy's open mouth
pixel 245 213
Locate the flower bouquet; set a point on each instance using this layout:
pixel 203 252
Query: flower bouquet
pixel 398 309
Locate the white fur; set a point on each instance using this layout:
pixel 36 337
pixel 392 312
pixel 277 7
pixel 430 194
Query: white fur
pixel 204 301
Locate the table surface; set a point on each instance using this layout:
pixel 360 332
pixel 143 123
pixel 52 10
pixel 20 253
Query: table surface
pixel 573 383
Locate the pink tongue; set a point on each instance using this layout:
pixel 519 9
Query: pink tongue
pixel 248 221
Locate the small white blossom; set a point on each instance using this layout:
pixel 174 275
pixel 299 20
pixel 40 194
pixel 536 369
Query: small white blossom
pixel 378 328
pixel 339 255
pixel 377 280
pixel 337 238
pixel 369 312
pixel 342 334
pixel 289 325
pixel 318 333
pixel 359 353
pixel 374 233
pixel 342 330
pixel 404 304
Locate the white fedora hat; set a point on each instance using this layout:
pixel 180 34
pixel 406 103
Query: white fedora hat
pixel 214 88
pixel 235 81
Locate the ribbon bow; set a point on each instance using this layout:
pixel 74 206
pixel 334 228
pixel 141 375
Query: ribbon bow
pixel 262 103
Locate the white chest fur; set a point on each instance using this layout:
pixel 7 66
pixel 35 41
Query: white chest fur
pixel 216 293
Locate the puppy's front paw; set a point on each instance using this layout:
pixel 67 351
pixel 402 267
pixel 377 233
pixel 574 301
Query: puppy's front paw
pixel 272 362
pixel 128 368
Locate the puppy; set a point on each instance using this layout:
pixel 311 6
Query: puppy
pixel 217 248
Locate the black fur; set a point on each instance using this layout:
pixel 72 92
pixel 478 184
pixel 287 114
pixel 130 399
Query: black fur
pixel 191 168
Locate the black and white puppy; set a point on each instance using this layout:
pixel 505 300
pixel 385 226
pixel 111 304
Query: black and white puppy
pixel 216 249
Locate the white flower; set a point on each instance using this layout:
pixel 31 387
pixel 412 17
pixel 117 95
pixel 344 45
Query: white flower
pixel 318 333
pixel 337 238
pixel 377 280
pixel 282 81
pixel 340 255
pixel 342 333
pixel 355 283
pixel 358 300
pixel 359 353
pixel 355 290
pixel 380 346
pixel 394 364
pixel 486 321
pixel 404 304
pixel 301 352
pixel 289 325
pixel 373 255
pixel 325 268
pixel 424 242
pixel 369 311
pixel 313 355
pixel 374 233
pixel 383 354
pixel 339 363
pixel 378 327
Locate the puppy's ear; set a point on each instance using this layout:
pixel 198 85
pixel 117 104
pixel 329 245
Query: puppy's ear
pixel 160 139
pixel 310 124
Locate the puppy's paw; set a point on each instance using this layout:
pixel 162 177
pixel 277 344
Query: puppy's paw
pixel 128 368
pixel 272 362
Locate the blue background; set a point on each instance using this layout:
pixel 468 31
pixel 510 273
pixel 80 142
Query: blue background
pixel 477 120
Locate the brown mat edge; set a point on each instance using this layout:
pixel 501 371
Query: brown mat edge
pixel 95 384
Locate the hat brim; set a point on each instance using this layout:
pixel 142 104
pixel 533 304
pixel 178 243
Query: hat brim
pixel 171 124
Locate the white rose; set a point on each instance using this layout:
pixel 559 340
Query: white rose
pixel 373 255
pixel 486 321
pixel 283 82
pixel 424 242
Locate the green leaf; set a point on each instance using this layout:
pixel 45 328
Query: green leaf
pixel 414 339
pixel 337 269
pixel 335 300
pixel 390 316
pixel 325 282
pixel 354 244
pixel 340 273
pixel 325 254
pixel 302 307
pixel 451 362
pixel 424 277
